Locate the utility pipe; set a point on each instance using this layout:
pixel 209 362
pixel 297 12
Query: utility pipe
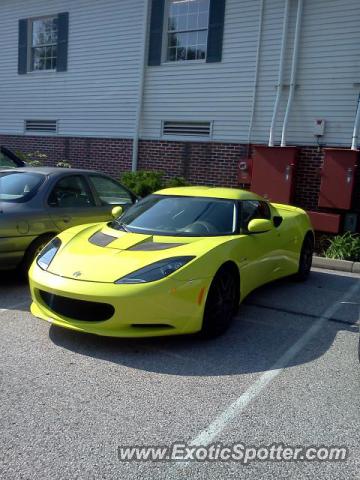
pixel 281 73
pixel 293 71
pixel 139 106
pixel 355 137
pixel 256 75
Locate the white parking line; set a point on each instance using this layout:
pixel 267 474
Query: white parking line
pixel 221 422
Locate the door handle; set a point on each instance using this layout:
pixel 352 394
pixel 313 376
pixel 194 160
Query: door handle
pixel 66 219
pixel 349 175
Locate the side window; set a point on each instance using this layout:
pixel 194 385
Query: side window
pixel 43 44
pixel 186 30
pixel 109 191
pixel 71 191
pixel 253 209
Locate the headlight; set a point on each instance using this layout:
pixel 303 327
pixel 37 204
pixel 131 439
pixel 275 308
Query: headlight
pixel 156 270
pixel 48 253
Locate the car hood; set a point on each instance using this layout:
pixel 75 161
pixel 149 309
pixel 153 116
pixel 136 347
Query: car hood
pixel 99 253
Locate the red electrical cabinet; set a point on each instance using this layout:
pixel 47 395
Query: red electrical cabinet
pixel 273 170
pixel 337 178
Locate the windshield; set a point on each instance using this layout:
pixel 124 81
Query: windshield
pixel 19 186
pixel 180 216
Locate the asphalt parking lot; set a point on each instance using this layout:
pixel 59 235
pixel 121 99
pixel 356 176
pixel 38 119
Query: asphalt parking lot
pixel 286 372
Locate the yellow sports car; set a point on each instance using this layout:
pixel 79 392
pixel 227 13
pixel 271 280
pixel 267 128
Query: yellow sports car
pixel 179 261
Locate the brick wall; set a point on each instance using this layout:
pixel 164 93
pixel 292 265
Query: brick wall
pixel 109 155
pixel 199 162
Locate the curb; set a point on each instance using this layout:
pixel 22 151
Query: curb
pixel 339 265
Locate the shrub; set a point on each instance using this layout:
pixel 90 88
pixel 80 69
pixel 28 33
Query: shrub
pixel 143 182
pixel 63 164
pixel 177 182
pixel 36 159
pixel 344 247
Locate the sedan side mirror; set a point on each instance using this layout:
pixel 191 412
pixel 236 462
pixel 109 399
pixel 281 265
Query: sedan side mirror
pixel 260 225
pixel 117 211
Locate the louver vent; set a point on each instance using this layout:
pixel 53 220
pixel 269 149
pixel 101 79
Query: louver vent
pixel 187 129
pixel 41 126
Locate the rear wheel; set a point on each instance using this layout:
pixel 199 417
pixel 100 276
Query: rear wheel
pixel 33 251
pixel 221 304
pixel 306 256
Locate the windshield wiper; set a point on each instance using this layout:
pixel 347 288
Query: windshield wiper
pixel 121 225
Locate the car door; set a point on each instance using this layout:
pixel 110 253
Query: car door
pixel 71 202
pixel 109 194
pixel 259 250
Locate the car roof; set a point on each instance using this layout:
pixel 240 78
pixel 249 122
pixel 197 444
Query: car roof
pixel 52 170
pixel 212 192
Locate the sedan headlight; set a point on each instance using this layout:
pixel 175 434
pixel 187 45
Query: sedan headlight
pixel 155 271
pixel 48 253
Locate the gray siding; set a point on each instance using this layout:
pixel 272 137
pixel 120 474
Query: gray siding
pixel 327 84
pixel 97 95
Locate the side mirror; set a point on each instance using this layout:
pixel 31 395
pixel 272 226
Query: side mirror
pixel 260 225
pixel 117 211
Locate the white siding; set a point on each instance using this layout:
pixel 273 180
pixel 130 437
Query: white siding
pixel 97 95
pixel 327 84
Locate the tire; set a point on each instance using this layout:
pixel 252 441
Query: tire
pixel 221 304
pixel 32 252
pixel 305 261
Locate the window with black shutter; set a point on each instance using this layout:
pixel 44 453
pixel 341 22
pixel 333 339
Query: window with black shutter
pixel 43 44
pixel 186 30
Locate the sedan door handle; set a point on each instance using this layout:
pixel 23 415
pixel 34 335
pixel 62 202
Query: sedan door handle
pixel 66 219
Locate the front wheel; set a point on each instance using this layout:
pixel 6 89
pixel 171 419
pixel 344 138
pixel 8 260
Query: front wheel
pixel 305 262
pixel 221 304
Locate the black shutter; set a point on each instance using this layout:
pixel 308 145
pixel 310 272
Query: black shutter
pixel 216 30
pixel 156 32
pixel 23 47
pixel 62 45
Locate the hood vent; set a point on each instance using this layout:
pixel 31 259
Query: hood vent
pixel 153 246
pixel 101 239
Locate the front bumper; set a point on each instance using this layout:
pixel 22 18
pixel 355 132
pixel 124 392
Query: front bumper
pixel 165 307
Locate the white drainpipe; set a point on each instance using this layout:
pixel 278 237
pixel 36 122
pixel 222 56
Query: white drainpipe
pixel 256 76
pixel 139 106
pixel 355 137
pixel 293 71
pixel 281 73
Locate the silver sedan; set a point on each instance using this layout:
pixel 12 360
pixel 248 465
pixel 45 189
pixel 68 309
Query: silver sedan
pixel 38 203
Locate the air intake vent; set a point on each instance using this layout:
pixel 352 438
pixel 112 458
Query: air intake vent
pixel 41 126
pixel 187 129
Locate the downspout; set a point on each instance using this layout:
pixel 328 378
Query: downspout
pixel 355 137
pixel 256 75
pixel 293 72
pixel 281 73
pixel 139 106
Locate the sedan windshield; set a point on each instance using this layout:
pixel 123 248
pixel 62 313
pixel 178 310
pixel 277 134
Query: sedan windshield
pixel 180 216
pixel 19 186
